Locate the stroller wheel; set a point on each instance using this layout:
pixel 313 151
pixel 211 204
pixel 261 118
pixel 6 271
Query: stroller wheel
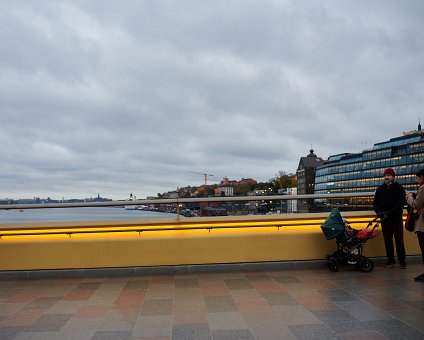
pixel 367 265
pixel 333 265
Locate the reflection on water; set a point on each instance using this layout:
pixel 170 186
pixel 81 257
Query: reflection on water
pixel 76 214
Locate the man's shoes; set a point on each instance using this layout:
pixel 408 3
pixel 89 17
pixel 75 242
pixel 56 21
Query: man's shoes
pixel 419 278
pixel 403 266
pixel 389 264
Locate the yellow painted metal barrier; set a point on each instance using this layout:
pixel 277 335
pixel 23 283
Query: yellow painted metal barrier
pixel 174 241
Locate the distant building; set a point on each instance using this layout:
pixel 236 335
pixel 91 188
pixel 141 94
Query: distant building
pixel 170 194
pixel 227 182
pixel 306 173
pixel 363 172
pixel 224 191
pixel 306 178
pixel 247 181
pixel 228 187
pixel 288 206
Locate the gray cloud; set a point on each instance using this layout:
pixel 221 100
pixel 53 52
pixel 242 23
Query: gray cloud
pixel 117 97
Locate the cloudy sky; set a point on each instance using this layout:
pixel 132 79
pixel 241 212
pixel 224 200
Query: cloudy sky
pixel 119 97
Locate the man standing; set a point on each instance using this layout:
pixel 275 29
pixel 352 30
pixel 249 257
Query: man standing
pixel 389 199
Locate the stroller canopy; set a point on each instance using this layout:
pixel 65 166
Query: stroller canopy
pixel 333 225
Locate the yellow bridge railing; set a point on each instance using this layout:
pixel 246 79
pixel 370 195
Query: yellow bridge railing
pixel 175 241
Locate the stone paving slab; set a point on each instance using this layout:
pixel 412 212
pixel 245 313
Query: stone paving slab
pixel 309 303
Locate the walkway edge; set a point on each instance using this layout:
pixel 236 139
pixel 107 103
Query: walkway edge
pixel 175 270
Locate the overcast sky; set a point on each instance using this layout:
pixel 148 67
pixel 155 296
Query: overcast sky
pixel 116 97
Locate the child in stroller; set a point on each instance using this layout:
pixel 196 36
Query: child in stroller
pixel 349 242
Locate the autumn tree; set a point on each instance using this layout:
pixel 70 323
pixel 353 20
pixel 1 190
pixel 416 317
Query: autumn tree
pixel 283 181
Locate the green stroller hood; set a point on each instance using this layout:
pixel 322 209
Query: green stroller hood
pixel 333 226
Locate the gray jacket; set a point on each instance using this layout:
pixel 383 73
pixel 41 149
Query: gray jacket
pixel 418 203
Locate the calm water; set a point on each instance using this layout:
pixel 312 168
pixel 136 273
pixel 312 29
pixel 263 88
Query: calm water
pixel 76 214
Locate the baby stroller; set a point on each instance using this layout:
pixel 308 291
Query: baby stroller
pixel 349 242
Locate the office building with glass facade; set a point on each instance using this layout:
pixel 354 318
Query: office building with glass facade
pixel 363 172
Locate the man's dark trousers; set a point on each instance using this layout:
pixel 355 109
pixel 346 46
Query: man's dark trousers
pixel 394 227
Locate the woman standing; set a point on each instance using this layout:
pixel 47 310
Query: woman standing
pixel 418 205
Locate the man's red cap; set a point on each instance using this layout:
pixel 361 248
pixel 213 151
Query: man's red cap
pixel 389 171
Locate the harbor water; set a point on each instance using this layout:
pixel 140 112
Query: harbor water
pixel 76 214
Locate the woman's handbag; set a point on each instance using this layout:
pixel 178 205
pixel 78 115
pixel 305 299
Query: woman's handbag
pixel 410 220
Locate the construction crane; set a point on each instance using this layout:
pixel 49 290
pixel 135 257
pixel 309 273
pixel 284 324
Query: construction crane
pixel 205 175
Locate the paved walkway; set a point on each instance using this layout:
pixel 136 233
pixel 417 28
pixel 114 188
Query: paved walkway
pixel 297 304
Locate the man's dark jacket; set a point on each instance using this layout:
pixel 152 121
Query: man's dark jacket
pixel 390 199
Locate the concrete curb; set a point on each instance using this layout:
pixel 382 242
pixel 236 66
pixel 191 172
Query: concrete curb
pixel 177 270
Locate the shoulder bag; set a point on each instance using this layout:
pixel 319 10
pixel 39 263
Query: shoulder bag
pixel 410 220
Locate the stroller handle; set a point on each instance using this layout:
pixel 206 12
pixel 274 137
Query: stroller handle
pixel 380 216
pixel 377 220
